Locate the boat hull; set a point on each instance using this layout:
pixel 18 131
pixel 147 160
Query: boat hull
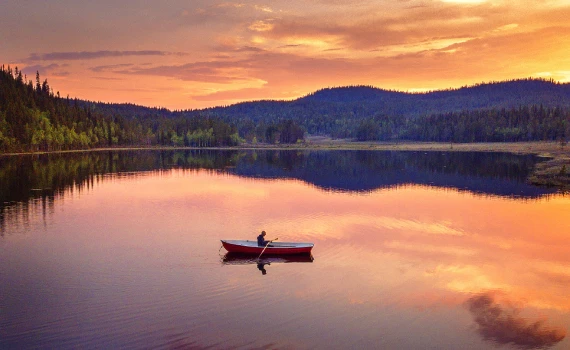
pixel 245 259
pixel 281 248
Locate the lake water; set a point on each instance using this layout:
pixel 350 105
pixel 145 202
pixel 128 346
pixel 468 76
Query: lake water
pixel 413 250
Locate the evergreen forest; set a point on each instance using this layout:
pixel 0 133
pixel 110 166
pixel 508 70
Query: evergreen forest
pixel 518 110
pixel 34 118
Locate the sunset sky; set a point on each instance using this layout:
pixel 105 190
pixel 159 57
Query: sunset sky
pixel 184 54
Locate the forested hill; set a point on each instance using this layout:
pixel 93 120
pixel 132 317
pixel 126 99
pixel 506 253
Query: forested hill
pixel 518 110
pixel 33 118
pixel 365 101
pixel 361 102
pixel 492 95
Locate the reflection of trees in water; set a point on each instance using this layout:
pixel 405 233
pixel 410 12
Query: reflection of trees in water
pixel 487 165
pixel 504 325
pixel 486 173
pixel 30 181
pixel 495 165
pixel 17 214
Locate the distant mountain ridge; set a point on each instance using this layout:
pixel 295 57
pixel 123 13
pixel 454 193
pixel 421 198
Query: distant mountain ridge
pixel 367 101
pixel 505 94
pixel 507 91
pixel 516 110
pixel 33 118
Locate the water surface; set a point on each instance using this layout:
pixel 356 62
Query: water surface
pixel 412 250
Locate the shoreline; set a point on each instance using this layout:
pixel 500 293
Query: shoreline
pixel 552 172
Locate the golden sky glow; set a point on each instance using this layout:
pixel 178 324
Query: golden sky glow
pixel 191 54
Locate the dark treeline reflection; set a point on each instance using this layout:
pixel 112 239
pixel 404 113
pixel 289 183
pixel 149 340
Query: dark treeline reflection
pixel 31 181
pixel 497 174
pixel 39 179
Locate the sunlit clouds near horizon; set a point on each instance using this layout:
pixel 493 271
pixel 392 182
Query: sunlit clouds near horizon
pixel 195 54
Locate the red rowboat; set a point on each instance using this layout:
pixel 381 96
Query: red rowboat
pixel 251 247
pixel 246 259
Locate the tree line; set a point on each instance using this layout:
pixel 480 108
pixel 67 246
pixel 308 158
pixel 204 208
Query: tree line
pixel 34 118
pixel 524 109
pixel 525 123
pixel 531 122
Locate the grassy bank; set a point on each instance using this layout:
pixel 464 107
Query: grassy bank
pixel 553 172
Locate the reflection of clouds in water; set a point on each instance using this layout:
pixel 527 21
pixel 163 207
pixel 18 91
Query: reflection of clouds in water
pixel 342 222
pixel 436 228
pixel 504 325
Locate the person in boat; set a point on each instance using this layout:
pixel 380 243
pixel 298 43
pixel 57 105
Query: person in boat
pixel 261 240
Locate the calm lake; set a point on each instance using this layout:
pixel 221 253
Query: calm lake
pixel 413 250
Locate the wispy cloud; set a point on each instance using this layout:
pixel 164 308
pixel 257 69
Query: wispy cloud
pixel 53 69
pixel 110 67
pixel 261 26
pixel 220 72
pixel 231 48
pixel 263 8
pixel 91 55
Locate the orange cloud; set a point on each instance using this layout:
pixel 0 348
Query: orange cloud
pixel 235 51
pixel 261 26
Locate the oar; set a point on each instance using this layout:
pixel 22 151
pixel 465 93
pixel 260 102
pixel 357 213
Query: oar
pixel 267 245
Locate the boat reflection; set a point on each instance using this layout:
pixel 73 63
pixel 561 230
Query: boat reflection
pixel 248 259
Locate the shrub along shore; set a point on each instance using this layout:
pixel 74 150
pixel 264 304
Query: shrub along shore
pixel 554 171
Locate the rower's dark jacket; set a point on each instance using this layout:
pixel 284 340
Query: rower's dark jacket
pixel 261 241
